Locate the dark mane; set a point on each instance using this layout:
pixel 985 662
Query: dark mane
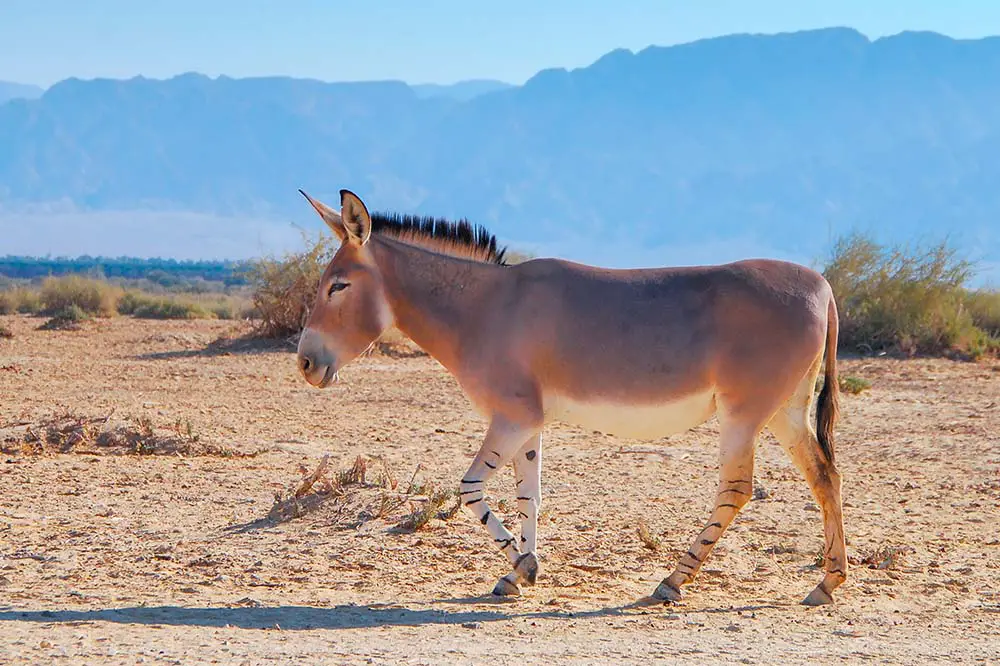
pixel 461 238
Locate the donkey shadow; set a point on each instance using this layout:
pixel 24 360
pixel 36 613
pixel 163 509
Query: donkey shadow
pixel 302 618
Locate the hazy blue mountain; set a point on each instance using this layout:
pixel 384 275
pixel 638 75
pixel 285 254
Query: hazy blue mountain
pixel 10 91
pixel 462 91
pixel 746 144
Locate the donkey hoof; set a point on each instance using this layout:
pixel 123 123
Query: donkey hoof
pixel 526 568
pixel 818 597
pixel 506 588
pixel 667 593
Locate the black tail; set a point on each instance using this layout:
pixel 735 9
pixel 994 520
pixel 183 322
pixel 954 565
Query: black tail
pixel 828 406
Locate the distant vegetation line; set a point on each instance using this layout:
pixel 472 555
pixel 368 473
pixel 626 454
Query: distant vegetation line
pixel 166 272
pixel 905 300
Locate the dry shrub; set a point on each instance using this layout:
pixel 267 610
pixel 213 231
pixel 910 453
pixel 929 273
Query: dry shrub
pixel 904 300
pixel 20 300
pixel 5 333
pixel 134 435
pixel 95 297
pixel 284 290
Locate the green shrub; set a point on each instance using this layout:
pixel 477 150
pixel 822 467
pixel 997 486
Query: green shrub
pixel 284 290
pixel 68 318
pixel 94 297
pixel 8 302
pixel 904 300
pixel 984 306
pixel 194 306
pixel 30 302
pixel 129 301
pixel 144 306
pixel 854 385
pixel 171 309
pixel 222 310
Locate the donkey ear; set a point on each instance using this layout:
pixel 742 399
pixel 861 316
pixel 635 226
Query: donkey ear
pixel 355 217
pixel 330 216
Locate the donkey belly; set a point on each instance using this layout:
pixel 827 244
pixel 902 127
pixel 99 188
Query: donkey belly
pixel 637 421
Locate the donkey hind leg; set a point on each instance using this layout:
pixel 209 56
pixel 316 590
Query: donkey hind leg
pixel 528 477
pixel 738 438
pixel 793 429
pixel 503 439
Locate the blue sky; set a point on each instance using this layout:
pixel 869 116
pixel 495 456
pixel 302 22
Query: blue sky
pixel 441 41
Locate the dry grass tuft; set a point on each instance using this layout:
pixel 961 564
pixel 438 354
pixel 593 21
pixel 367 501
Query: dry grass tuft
pixel 306 494
pixel 648 539
pixel 882 557
pixel 355 474
pixel 361 493
pixel 5 333
pixel 133 435
pixel 781 549
pixel 431 508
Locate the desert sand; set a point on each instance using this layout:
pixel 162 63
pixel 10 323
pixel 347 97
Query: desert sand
pixel 172 550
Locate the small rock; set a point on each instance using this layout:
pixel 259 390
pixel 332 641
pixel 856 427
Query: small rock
pixel 45 645
pixel 472 625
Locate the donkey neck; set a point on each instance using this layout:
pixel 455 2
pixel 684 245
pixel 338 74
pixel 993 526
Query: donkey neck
pixel 434 297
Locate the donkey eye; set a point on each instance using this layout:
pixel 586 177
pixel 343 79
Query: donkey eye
pixel 338 286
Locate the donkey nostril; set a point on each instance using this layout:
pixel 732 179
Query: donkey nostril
pixel 305 363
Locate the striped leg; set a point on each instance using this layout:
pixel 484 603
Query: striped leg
pixel 528 476
pixel 503 439
pixel 735 488
pixel 793 430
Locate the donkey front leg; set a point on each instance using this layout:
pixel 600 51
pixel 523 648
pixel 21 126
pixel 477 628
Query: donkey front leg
pixel 528 477
pixel 503 440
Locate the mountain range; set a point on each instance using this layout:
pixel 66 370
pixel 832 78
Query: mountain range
pixel 707 151
pixel 10 90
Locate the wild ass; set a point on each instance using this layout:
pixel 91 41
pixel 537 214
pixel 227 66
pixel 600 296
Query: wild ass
pixel 637 353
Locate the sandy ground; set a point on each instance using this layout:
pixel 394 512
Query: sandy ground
pixel 109 557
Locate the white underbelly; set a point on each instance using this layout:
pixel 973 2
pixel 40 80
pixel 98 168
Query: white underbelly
pixel 647 421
